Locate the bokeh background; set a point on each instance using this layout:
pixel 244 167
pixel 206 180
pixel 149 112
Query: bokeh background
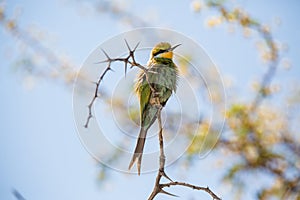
pixel 43 45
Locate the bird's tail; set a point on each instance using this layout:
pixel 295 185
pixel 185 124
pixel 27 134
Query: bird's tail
pixel 138 152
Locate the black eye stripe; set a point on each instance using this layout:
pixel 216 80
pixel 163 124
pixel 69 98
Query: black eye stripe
pixel 159 52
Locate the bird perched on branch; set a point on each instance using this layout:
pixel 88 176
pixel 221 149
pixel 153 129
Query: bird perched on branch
pixel 154 87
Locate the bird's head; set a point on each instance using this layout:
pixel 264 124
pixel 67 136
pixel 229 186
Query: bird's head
pixel 163 50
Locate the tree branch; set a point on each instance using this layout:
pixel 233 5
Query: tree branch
pixel 158 187
pixel 130 59
pixel 18 195
pixel 194 187
pixel 247 21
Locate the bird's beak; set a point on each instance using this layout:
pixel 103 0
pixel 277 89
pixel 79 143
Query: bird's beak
pixel 174 47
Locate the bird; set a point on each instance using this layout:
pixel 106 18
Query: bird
pixel 154 87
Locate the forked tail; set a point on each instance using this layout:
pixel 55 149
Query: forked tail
pixel 138 152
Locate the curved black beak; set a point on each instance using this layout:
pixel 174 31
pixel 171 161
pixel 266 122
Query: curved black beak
pixel 174 47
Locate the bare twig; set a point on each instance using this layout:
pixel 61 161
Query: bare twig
pixel 18 195
pixel 130 59
pixel 161 172
pixel 158 187
pixel 108 68
pixel 206 189
pixel 58 65
pixel 118 12
pixel 273 65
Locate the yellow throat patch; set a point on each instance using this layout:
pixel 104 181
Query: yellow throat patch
pixel 168 54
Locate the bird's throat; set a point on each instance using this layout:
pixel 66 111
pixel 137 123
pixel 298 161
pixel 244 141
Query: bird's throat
pixel 168 55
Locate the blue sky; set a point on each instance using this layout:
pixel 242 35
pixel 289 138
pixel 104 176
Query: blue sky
pixel 40 153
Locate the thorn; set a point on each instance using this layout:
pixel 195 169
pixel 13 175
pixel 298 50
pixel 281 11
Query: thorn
pixel 166 176
pixel 125 69
pixel 127 45
pixel 108 58
pixel 136 46
pixel 110 69
pixel 104 61
pixel 168 193
pixel 139 165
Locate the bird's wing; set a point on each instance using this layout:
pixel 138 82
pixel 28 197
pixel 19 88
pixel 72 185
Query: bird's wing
pixel 162 78
pixel 143 90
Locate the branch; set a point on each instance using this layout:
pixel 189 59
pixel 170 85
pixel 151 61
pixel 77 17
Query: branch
pixel 248 22
pixel 273 65
pixel 17 195
pixel 158 187
pixel 57 63
pixel 130 59
pixel 117 11
pixel 206 189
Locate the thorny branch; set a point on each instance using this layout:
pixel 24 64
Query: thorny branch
pixel 130 59
pixel 158 187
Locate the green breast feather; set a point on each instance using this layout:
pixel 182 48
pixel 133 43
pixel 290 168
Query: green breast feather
pixel 162 77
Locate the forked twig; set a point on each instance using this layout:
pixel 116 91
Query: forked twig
pixel 158 187
pixel 130 59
